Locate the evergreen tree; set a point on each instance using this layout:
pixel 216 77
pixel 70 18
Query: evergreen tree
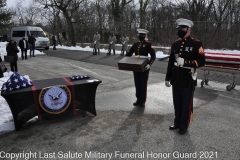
pixel 5 15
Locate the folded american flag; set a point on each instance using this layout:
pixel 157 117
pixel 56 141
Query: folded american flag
pixel 16 81
pixel 78 76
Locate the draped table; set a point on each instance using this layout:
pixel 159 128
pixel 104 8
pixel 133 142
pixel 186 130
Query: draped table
pixel 52 99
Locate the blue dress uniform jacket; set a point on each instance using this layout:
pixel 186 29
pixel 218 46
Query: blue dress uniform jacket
pixel 142 48
pixel 191 50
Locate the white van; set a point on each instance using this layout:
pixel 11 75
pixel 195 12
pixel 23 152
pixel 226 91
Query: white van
pixel 42 40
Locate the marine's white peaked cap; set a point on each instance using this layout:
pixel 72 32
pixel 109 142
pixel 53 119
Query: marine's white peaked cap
pixel 142 31
pixel 182 23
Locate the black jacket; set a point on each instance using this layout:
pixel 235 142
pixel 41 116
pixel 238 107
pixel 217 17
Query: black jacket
pixel 21 44
pixel 191 50
pixel 12 50
pixel 53 39
pixel 31 40
pixel 142 48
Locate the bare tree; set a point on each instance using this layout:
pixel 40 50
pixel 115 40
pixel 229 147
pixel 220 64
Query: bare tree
pixel 223 9
pixel 68 8
pixel 117 8
pixel 27 15
pixel 142 12
pixel 216 22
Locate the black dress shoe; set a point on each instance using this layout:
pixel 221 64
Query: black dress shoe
pixel 182 131
pixel 141 105
pixel 173 127
pixel 33 56
pixel 136 103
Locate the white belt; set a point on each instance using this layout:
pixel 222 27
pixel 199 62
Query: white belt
pixel 141 56
pixel 194 74
pixel 175 63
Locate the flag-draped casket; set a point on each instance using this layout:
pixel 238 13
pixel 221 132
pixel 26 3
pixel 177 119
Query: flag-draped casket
pixel 223 60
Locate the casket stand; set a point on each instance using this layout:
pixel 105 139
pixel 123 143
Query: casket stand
pixel 221 62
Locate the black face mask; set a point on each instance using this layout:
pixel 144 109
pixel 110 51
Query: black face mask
pixel 141 37
pixel 181 33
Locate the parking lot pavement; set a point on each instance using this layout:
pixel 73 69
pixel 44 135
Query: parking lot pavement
pixel 121 131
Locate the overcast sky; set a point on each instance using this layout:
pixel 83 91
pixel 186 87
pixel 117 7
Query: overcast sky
pixel 12 3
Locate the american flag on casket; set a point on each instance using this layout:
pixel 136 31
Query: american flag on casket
pixel 223 60
pixel 16 81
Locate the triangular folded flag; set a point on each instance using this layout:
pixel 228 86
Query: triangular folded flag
pixel 16 81
pixel 78 77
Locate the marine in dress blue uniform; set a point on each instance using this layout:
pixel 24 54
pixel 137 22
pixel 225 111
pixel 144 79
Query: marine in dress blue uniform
pixel 187 54
pixel 142 49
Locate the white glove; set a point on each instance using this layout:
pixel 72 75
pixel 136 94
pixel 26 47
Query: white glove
pixel 111 42
pixel 147 67
pixel 167 84
pixel 95 42
pixel 180 61
pixel 124 42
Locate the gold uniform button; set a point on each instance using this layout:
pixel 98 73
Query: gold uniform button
pixel 180 49
pixel 181 46
pixel 182 42
pixel 179 53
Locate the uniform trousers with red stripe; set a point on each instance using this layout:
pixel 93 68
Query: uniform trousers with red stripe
pixel 140 80
pixel 182 101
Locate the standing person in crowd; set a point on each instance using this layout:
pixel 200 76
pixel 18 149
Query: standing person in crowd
pixel 2 65
pixel 187 54
pixel 23 44
pixel 31 42
pixel 125 41
pixel 12 50
pixel 96 43
pixel 112 39
pixel 64 35
pixel 141 50
pixel 54 42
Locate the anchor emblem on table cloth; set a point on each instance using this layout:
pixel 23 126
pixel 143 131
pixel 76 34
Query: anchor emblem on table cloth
pixel 55 99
